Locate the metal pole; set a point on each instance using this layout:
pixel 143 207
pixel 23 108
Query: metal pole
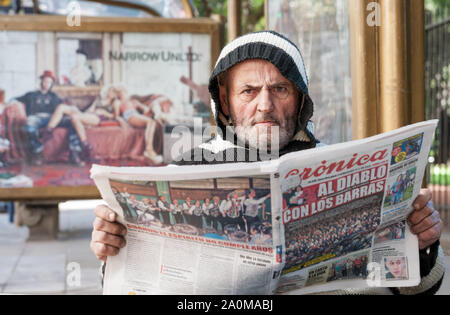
pixel 416 56
pixel 234 19
pixel 364 71
pixel 266 14
pixel 394 89
pixel 10 206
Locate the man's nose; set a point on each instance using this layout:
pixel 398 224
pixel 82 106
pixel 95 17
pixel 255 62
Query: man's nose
pixel 265 103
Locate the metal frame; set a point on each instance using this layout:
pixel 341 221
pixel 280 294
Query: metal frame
pixel 50 23
pixel 387 63
pixel 364 71
pixel 234 19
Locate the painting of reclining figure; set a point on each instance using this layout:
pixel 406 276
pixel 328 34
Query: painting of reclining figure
pixel 71 99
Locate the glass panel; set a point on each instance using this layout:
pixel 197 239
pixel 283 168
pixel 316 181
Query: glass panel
pixel 166 8
pixel 7 6
pixel 320 29
pixel 62 7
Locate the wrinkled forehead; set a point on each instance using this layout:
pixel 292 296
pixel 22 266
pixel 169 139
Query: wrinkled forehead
pixel 255 72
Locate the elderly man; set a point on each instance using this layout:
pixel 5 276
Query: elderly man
pixel 260 81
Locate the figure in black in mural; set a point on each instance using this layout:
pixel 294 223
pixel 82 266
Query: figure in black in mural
pixel 39 107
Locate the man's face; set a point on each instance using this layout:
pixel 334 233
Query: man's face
pixel 396 266
pixel 259 99
pixel 46 84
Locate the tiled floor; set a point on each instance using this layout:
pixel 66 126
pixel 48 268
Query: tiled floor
pixel 63 266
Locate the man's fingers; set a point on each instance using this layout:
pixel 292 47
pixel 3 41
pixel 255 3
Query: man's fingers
pixel 108 239
pixel 422 199
pixel 108 227
pixel 103 250
pixel 418 215
pixel 426 223
pixel 105 213
pixel 430 236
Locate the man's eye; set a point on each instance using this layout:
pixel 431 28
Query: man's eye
pixel 248 91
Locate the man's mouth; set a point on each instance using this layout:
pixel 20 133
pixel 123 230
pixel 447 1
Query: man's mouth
pixel 267 123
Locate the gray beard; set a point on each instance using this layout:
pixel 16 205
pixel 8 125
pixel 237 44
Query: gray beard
pixel 270 139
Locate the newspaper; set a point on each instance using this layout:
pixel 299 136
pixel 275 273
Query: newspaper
pixel 317 220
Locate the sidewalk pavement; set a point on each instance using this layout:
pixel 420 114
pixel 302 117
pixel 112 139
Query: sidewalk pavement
pixel 62 266
pixel 45 267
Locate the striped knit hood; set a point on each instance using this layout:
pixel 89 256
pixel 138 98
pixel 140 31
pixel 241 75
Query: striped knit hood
pixel 283 54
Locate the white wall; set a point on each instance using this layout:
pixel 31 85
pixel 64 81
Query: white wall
pixel 18 63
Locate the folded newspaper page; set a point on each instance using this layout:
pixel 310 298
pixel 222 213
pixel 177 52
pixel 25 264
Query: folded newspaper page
pixel 317 220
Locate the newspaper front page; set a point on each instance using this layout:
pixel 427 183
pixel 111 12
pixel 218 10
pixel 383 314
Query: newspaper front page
pixel 192 230
pixel 318 220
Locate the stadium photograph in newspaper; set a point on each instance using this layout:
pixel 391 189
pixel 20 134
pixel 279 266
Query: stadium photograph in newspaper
pixel 333 233
pixel 327 217
pixel 229 209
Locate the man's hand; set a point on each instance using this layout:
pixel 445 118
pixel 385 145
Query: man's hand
pixel 108 235
pixel 424 221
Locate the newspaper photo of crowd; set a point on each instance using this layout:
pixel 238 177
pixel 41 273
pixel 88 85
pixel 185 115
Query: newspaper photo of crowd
pixel 349 268
pixel 393 232
pixel 240 215
pixel 401 189
pixel 334 236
